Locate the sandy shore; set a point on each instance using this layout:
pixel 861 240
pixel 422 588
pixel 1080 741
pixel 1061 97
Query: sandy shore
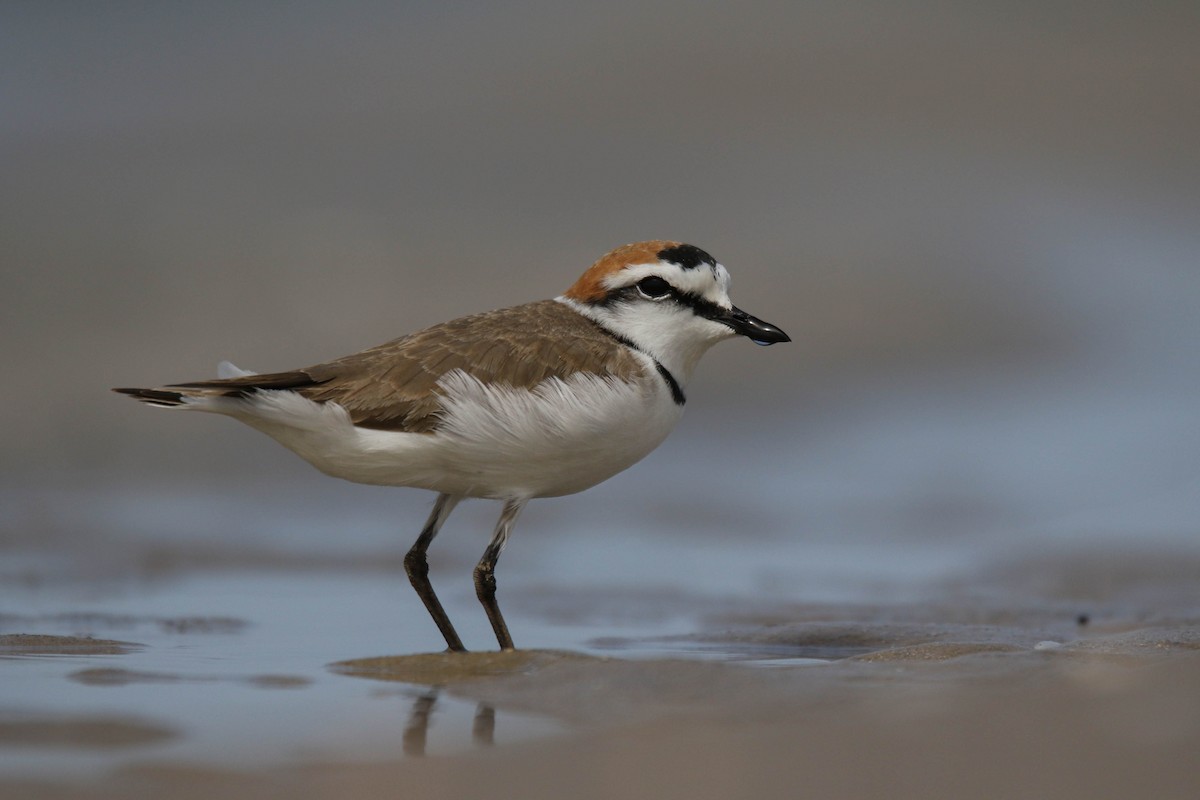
pixel 935 707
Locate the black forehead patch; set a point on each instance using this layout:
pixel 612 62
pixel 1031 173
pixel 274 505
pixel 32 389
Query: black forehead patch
pixel 687 256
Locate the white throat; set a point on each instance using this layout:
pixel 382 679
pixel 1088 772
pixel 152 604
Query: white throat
pixel 673 336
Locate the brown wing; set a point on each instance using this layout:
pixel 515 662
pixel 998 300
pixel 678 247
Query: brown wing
pixel 394 386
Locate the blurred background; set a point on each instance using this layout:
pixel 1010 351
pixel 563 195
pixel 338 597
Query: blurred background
pixel 978 222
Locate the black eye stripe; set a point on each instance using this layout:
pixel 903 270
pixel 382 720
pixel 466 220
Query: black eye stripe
pixel 699 306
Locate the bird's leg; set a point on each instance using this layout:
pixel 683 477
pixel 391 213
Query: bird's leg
pixel 485 578
pixel 417 568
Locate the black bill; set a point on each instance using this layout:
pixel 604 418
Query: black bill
pixel 752 327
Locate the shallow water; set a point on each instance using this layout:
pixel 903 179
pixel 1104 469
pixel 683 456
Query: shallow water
pixel 234 664
pixel 960 519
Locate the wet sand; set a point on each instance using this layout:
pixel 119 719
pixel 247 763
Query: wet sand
pixel 1064 698
pixel 1067 724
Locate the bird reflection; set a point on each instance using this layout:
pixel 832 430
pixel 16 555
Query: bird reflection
pixel 416 730
pixel 483 728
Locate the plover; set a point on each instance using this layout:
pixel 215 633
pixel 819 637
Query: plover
pixel 539 400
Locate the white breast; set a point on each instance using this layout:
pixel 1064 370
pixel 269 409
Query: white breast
pixel 495 441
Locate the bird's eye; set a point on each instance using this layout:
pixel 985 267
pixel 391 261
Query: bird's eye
pixel 654 288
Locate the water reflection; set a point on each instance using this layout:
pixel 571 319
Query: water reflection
pixel 483 728
pixel 417 730
pixel 420 718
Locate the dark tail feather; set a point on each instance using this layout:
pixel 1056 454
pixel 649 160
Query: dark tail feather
pixel 222 387
pixel 237 387
pixel 154 397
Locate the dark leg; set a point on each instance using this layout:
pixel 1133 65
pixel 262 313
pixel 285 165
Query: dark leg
pixel 485 578
pixel 417 568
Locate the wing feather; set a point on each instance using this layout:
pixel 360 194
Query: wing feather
pixel 394 386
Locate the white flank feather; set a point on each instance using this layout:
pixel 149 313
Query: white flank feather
pixel 495 441
pixel 227 369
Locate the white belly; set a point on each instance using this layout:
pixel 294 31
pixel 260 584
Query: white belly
pixel 497 442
